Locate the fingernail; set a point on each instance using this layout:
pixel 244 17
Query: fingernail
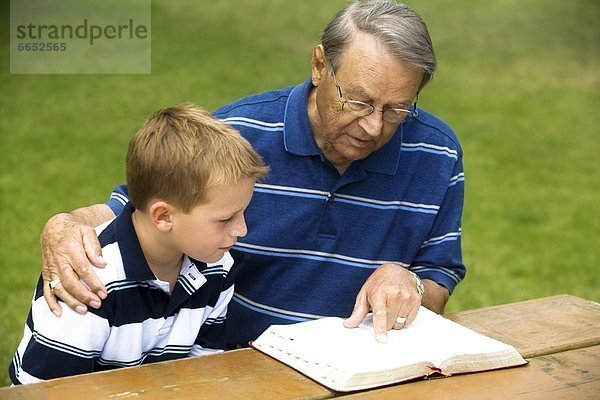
pixel 381 338
pixel 81 309
pixel 95 304
pixel 55 312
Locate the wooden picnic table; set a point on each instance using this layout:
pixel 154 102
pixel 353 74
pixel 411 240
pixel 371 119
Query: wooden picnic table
pixel 558 335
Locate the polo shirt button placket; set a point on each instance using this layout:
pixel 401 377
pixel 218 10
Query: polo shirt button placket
pixel 327 226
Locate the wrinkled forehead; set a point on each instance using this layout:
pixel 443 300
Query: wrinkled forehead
pixel 365 58
pixel 369 70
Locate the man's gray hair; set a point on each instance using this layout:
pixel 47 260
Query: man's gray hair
pixel 396 26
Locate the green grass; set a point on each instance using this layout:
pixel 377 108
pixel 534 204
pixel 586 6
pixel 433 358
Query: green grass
pixel 518 80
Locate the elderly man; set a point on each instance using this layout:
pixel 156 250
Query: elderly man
pixel 362 209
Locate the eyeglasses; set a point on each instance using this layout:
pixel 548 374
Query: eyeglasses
pixel 361 109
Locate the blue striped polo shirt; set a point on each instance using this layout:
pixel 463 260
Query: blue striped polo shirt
pixel 138 323
pixel 314 237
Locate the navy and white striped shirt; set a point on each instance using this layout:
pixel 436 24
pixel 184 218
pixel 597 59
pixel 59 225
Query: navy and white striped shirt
pixel 139 322
pixel 314 237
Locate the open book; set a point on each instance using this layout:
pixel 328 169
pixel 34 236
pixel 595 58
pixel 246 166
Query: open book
pixel 350 359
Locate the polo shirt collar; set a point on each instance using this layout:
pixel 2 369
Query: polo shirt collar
pixel 134 263
pixel 386 159
pixel 297 133
pixel 298 138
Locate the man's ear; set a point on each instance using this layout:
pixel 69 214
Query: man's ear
pixel 317 63
pixel 161 214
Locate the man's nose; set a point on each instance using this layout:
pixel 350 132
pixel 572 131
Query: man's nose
pixel 373 123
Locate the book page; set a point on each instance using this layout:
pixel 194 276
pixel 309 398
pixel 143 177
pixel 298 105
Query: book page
pixel 352 350
pixel 326 345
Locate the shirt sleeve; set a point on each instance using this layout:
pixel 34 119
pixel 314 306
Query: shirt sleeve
pixel 440 256
pixel 54 347
pixel 118 198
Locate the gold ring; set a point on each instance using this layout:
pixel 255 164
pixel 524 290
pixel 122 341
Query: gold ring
pixel 401 320
pixel 53 283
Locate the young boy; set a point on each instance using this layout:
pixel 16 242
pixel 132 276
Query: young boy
pixel 190 177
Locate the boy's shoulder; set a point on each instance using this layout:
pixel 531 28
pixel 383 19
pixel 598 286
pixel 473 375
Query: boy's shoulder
pixel 113 271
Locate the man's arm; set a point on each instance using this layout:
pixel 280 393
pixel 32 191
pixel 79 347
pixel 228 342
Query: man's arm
pixel 436 296
pixel 70 248
pixel 390 292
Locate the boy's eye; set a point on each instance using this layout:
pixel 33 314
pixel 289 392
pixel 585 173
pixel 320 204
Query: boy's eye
pixel 224 221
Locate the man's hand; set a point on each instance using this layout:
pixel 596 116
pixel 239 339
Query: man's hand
pixel 391 294
pixel 69 250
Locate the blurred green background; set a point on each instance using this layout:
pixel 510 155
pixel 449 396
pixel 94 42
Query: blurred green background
pixel 517 79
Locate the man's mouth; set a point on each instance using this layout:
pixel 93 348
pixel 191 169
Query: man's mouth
pixel 359 142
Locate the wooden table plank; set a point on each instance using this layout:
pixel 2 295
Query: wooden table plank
pixel 237 374
pixel 537 327
pixel 570 375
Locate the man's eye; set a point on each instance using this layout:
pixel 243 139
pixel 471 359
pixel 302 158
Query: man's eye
pixel 360 99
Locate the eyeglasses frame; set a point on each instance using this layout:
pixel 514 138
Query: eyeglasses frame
pixel 409 113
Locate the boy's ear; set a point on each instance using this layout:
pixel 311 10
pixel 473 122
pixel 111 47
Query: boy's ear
pixel 161 214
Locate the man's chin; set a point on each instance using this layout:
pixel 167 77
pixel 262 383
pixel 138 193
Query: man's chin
pixel 356 154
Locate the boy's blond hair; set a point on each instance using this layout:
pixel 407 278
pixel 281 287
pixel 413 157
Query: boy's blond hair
pixel 183 151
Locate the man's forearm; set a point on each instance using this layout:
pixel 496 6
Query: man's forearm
pixel 92 215
pixel 435 297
